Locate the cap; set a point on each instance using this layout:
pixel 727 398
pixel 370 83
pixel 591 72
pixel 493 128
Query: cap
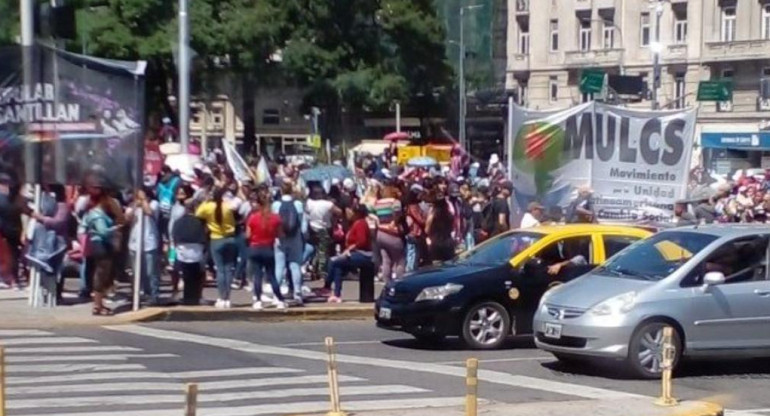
pixel 494 159
pixel 349 184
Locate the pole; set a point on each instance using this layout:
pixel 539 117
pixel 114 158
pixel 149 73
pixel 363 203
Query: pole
pixel 191 399
pixel 669 351
pixel 472 387
pixel 2 381
pixel 334 388
pixel 184 76
pixel 656 56
pixel 509 152
pixel 138 257
pixel 461 85
pixel 27 12
pixel 398 116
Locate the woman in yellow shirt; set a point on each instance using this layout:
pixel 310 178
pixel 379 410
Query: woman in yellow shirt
pixel 220 222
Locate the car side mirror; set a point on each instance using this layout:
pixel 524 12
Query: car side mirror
pixel 713 279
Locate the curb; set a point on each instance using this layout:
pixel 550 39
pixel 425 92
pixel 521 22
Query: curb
pixel 196 313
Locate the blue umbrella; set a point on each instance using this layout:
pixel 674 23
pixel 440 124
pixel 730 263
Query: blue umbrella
pixel 422 162
pixel 322 173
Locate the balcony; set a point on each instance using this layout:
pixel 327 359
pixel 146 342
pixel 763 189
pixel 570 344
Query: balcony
pixel 736 51
pixel 522 7
pixel 675 53
pixel 593 58
pixel 518 62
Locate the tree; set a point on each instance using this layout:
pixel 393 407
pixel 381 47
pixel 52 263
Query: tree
pixel 9 24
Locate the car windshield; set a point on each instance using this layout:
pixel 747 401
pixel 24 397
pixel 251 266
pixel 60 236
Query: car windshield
pixel 656 257
pixel 500 249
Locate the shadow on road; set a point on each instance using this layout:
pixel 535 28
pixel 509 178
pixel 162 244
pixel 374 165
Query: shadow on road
pixel 455 344
pixel 753 368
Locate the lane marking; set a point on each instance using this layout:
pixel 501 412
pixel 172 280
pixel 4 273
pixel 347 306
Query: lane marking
pixel 23 333
pixel 65 358
pixel 233 372
pixel 272 381
pixel 289 408
pixel 54 350
pixel 497 360
pixel 310 344
pixel 43 341
pixel 68 368
pixel 15 381
pixel 58 403
pixel 489 376
pixel 94 388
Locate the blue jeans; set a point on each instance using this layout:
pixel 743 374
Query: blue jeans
pixel 243 258
pixel 470 240
pixel 296 273
pixel 150 274
pixel 224 252
pixel 411 255
pixel 341 265
pixel 86 287
pixel 262 263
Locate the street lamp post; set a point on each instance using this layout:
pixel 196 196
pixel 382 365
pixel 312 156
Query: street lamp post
pixel 184 76
pixel 656 50
pixel 461 71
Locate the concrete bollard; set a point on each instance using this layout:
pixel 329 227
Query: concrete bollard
pixel 472 387
pixel 666 398
pixel 334 388
pixel 191 399
pixel 2 381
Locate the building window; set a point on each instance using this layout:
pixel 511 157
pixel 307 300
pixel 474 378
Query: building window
pixel 645 25
pixel 554 35
pixel 553 89
pixel 727 73
pixel 766 71
pixel 271 116
pixel 766 21
pixel 523 40
pixel 586 97
pixel 680 87
pixel 521 91
pixel 728 23
pixel 608 34
pixel 585 35
pixel 680 26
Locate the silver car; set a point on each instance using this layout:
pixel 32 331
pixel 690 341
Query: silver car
pixel 710 283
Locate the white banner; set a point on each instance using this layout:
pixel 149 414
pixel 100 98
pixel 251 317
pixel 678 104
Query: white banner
pixel 237 164
pixel 636 162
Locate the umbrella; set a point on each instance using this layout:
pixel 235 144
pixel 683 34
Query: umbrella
pixel 422 162
pixel 396 136
pixel 321 173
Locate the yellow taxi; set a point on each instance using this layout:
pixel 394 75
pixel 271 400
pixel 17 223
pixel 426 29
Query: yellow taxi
pixel 492 291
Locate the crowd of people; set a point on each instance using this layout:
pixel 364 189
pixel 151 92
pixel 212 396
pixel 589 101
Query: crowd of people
pixel 208 228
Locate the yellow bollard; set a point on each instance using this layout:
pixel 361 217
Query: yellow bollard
pixel 472 387
pixel 334 388
pixel 666 398
pixel 191 399
pixel 2 381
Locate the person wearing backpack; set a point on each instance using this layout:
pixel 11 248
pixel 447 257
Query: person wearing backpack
pixel 262 229
pixel 290 246
pixel 166 191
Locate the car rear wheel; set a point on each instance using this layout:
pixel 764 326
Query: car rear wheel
pixel 645 352
pixel 486 326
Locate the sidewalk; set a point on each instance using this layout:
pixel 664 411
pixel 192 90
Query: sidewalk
pixel 17 313
pixel 615 407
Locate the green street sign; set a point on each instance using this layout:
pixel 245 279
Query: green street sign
pixel 720 90
pixel 592 81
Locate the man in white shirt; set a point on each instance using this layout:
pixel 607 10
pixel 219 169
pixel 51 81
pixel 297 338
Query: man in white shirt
pixel 533 215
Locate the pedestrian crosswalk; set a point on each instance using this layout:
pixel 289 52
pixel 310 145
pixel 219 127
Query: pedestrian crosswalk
pixel 48 374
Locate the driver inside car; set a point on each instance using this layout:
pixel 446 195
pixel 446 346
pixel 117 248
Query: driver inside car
pixel 568 255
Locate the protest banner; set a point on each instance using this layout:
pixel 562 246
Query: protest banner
pixel 635 161
pixel 76 114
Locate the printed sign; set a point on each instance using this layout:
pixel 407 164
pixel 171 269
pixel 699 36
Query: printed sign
pixel 635 161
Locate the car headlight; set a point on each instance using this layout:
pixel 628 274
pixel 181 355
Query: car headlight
pixel 616 305
pixel 438 292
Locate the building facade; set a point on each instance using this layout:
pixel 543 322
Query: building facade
pixel 550 42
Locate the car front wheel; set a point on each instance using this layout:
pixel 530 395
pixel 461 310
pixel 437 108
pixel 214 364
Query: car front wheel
pixel 486 326
pixel 645 352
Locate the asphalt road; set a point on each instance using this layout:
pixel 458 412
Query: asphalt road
pixel 273 369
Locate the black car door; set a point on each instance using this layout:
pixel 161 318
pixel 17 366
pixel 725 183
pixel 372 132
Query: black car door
pixel 575 254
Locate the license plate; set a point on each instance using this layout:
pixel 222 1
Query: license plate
pixel 552 331
pixel 385 313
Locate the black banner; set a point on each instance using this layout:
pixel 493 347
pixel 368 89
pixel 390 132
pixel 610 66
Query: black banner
pixel 69 114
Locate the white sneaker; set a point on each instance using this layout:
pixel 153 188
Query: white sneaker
pixel 280 305
pixel 257 306
pixel 219 304
pixel 227 304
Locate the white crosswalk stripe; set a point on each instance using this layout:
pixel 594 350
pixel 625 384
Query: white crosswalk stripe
pixel 50 374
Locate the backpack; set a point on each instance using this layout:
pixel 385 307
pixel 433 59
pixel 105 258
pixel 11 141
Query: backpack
pixel 166 194
pixel 99 233
pixel 289 218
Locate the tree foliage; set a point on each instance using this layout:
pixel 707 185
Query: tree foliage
pixel 9 22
